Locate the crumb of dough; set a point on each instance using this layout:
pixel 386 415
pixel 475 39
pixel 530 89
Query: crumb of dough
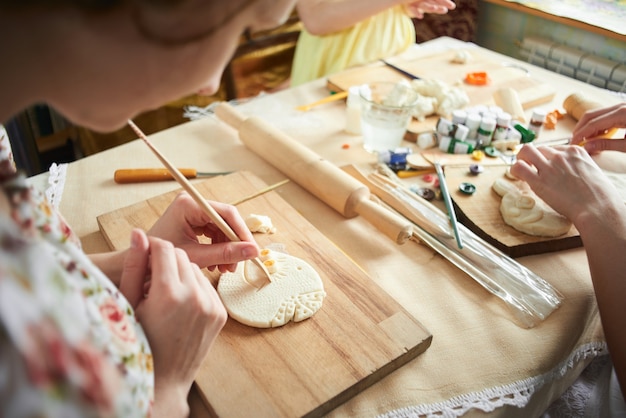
pixel 260 223
pixel 461 57
pixel 295 293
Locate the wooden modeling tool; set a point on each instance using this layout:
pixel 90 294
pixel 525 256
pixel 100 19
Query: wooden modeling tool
pixel 141 175
pixel 195 194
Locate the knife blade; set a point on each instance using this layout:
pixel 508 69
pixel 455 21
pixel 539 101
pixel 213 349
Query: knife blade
pixel 400 70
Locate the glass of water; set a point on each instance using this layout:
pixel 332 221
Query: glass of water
pixel 386 109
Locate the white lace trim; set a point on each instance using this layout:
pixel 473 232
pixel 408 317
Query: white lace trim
pixel 515 394
pixel 56 182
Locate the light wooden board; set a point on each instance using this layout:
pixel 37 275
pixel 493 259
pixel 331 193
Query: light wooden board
pixel 532 92
pixel 480 212
pixel 306 369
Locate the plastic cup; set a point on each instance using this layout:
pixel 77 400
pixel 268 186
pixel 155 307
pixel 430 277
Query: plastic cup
pixel 385 114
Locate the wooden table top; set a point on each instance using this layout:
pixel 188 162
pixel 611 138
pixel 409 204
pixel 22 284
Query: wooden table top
pixel 479 355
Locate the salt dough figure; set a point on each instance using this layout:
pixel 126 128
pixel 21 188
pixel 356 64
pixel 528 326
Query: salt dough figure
pixel 527 213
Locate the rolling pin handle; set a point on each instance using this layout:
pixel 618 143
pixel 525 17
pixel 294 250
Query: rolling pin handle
pixel 393 226
pixel 230 115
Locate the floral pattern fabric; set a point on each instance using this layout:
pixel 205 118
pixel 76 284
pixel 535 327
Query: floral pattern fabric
pixel 69 342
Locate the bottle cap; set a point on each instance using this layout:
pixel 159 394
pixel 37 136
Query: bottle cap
pixel 488 124
pixel 473 120
pixel 539 115
pixel 459 116
pixel 503 119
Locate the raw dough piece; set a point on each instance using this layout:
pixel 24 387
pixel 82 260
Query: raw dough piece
pixel 461 57
pixel 294 294
pixel 260 223
pixel 527 213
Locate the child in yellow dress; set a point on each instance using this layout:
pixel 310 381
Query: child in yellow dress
pixel 342 34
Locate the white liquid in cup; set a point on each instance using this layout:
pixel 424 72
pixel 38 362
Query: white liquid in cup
pixel 385 114
pixel 381 135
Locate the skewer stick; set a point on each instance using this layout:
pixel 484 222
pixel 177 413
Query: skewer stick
pixel 195 194
pixel 260 192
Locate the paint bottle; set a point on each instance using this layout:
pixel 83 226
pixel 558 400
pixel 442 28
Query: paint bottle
pixel 536 121
pixel 453 146
pixel 461 133
pixel 485 131
pixel 445 127
pixel 427 140
pixel 502 125
pixel 473 122
pixel 459 116
pixel 527 134
pixel 353 111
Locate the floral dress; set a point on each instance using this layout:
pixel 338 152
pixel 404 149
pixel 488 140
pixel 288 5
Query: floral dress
pixel 70 345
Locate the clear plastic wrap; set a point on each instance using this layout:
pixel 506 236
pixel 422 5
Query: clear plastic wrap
pixel 530 298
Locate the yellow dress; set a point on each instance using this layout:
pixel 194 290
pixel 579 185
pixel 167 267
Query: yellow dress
pixel 385 34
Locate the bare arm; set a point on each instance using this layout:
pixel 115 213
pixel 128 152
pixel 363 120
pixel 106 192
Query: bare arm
pixel 569 180
pixel 322 17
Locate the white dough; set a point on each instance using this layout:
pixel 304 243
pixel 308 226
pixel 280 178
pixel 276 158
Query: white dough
pixel 260 223
pixel 527 213
pixel 295 293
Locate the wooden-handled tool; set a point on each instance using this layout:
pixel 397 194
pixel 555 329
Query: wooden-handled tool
pixel 327 99
pixel 323 179
pixel 195 194
pixel 141 175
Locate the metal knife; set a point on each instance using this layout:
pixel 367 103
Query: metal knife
pixel 140 175
pixel 400 70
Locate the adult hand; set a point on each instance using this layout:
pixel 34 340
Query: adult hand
pixel 596 122
pixel 567 179
pixel 181 314
pixel 184 221
pixel 418 9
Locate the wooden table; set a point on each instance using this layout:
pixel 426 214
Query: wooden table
pixel 479 357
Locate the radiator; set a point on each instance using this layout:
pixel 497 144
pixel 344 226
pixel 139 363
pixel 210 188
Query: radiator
pixel 575 63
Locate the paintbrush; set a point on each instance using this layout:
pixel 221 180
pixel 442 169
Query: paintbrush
pixel 449 206
pixel 195 194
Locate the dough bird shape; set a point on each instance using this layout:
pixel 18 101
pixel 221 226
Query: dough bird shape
pixel 295 292
pixel 526 212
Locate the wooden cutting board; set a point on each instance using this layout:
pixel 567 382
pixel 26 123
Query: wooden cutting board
pixel 480 212
pixel 359 335
pixel 531 91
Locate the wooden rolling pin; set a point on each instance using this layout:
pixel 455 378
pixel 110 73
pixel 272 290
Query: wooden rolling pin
pixel 323 179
